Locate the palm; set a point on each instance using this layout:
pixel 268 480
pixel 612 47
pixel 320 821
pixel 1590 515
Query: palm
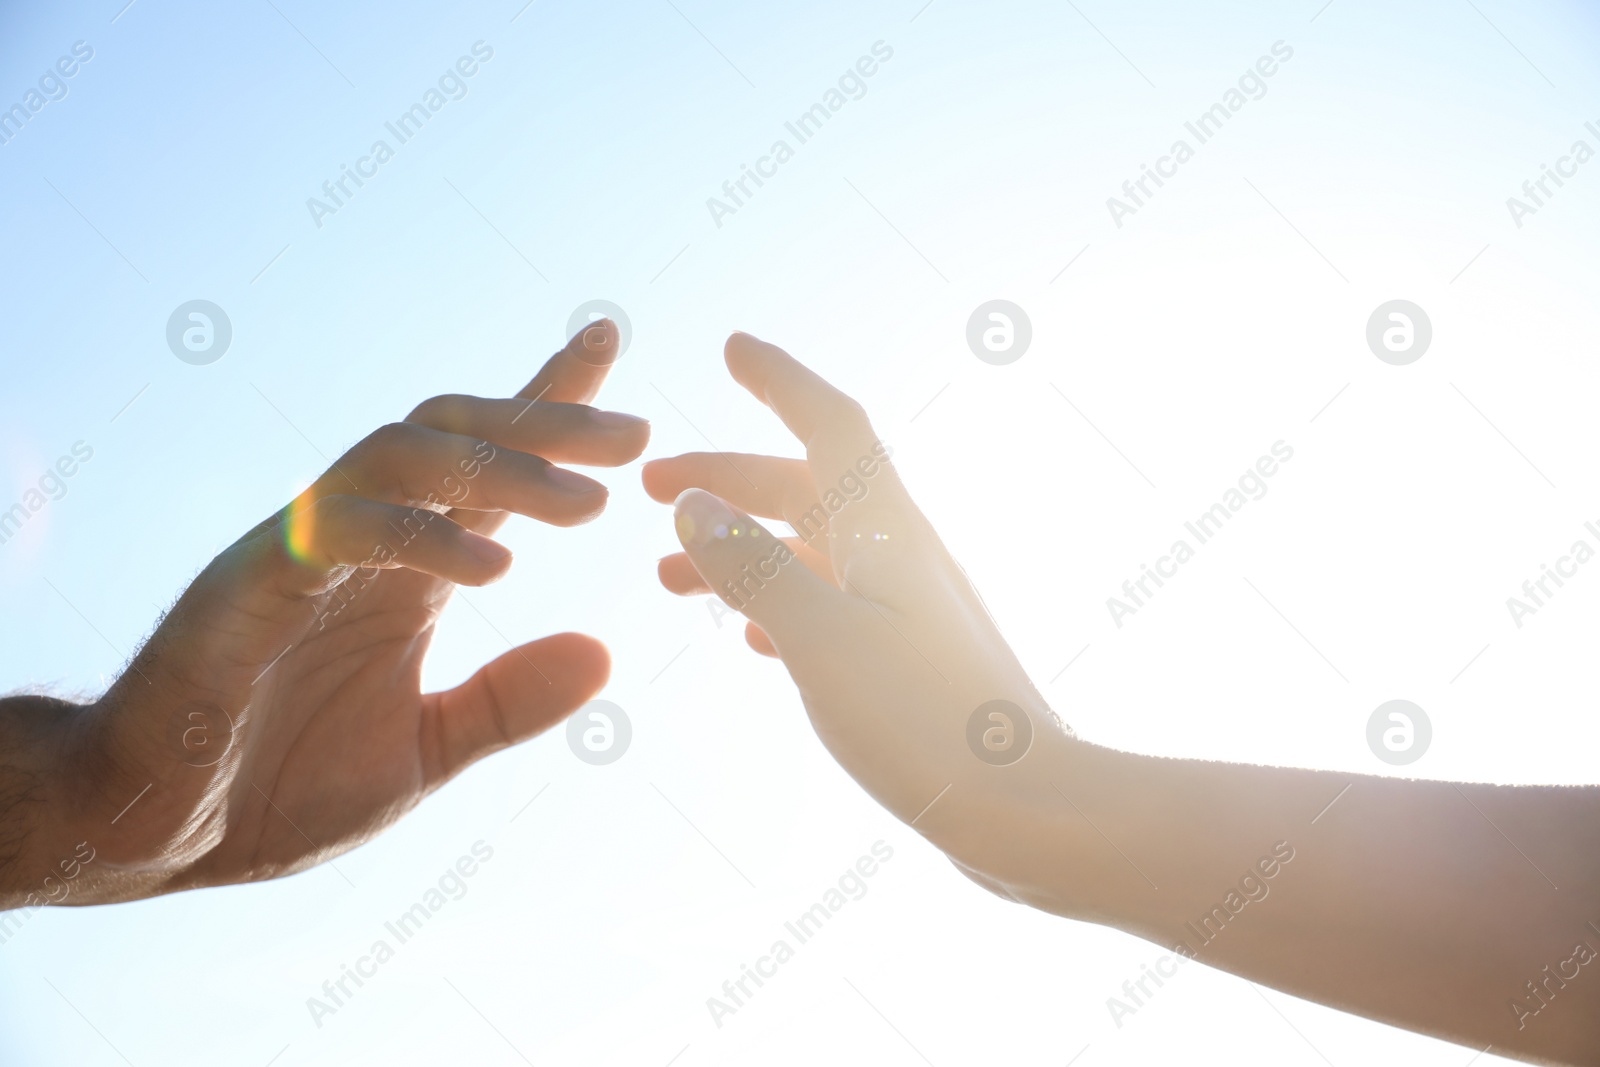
pixel 345 751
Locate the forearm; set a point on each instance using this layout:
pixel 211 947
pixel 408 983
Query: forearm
pixel 1428 905
pixel 33 809
pixel 63 840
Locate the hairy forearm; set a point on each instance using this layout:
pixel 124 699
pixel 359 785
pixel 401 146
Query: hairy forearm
pixel 33 809
pixel 1468 912
pixel 59 833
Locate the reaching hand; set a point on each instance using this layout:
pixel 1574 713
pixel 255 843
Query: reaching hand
pixel 276 718
pixel 892 649
pixel 912 689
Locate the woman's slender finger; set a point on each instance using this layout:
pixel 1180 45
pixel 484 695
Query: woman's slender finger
pixel 849 465
pixel 678 575
pixel 753 572
pixel 758 484
pixel 757 639
pixel 833 427
pixel 765 486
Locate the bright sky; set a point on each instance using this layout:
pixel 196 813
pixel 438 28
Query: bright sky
pixel 1168 353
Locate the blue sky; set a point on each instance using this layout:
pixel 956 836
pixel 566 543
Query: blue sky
pixel 978 163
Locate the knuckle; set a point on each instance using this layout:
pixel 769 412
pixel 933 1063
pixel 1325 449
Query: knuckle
pixel 448 411
pixel 852 412
pixel 306 538
pixel 383 442
pixel 844 417
pixel 524 464
pixel 332 504
pixel 393 434
pixel 315 524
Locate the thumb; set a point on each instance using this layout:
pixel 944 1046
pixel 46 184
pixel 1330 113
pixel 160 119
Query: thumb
pixel 510 699
pixel 752 571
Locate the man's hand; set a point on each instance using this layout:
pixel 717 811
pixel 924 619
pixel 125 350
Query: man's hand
pixel 276 718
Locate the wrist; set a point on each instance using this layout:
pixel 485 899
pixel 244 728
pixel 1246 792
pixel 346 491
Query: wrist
pixel 34 808
pixel 132 797
pixel 1148 845
pixel 69 835
pixel 1048 832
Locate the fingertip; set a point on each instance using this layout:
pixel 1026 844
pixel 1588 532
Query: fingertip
pixel 638 438
pixel 581 647
pixel 679 577
pixel 701 517
pixel 629 437
pixel 654 475
pixel 517 695
pixel 579 508
pixel 757 639
pixel 737 558
pixel 750 360
pixel 493 559
pixel 740 351
pixel 499 571
pixel 597 343
pixel 582 662
pixel 692 498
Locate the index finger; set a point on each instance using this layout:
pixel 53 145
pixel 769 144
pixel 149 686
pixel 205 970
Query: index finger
pixel 815 412
pixel 574 374
pixel 849 465
pixel 571 376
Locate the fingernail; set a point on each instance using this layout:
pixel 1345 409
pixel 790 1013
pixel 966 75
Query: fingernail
pixel 487 550
pixel 702 518
pixel 570 481
pixel 617 422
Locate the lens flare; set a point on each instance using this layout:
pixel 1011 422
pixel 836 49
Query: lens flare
pixel 299 527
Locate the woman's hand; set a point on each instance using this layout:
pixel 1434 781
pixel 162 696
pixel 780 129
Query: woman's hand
pixel 1402 900
pixel 276 718
pixel 906 678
